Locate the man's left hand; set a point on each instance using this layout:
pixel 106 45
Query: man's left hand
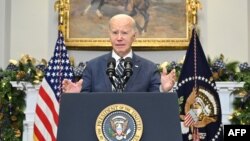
pixel 167 80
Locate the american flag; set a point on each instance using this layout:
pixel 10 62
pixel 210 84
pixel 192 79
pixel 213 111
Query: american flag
pixel 190 118
pixel 47 107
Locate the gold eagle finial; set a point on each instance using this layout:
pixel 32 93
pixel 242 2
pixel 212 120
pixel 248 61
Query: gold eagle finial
pixel 62 7
pixel 193 6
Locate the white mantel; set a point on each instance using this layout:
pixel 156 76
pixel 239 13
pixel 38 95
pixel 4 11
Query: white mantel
pixel 224 89
pixel 31 98
pixel 226 98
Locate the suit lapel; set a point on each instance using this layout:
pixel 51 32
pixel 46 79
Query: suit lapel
pixel 136 69
pixel 107 81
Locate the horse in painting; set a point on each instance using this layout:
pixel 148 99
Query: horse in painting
pixel 132 6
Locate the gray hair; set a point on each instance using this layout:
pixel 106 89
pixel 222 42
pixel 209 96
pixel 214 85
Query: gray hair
pixel 118 16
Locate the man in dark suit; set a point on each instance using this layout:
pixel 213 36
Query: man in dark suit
pixel 145 78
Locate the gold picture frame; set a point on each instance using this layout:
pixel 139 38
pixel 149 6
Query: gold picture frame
pixel 169 23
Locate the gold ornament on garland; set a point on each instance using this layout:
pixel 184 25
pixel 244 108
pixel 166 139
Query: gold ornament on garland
pixel 13 118
pixel 1 116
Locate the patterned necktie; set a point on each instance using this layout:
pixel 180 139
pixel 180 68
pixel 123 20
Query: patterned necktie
pixel 119 72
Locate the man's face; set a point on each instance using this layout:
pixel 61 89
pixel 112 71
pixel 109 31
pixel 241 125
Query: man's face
pixel 121 35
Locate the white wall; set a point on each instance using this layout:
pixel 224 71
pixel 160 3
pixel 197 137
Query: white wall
pixel 30 28
pixel 2 26
pixel 227 24
pixel 248 29
pixel 33 30
pixel 4 32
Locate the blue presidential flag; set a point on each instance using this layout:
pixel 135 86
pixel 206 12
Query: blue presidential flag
pixel 200 109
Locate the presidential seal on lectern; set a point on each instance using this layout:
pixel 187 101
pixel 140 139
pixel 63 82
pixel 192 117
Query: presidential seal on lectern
pixel 119 122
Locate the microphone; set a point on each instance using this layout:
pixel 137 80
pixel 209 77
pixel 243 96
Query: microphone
pixel 128 68
pixel 111 70
pixel 111 67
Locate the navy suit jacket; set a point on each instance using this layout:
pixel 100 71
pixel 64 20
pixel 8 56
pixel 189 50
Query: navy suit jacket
pixel 145 77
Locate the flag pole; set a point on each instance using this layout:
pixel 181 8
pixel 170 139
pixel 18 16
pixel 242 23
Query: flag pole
pixel 47 107
pixel 62 7
pixel 193 6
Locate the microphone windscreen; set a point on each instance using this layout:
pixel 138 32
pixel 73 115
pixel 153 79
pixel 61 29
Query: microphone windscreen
pixel 128 60
pixel 111 61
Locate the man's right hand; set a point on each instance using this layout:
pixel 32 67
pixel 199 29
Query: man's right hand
pixel 70 87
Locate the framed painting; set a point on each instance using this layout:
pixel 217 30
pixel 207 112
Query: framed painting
pixel 161 24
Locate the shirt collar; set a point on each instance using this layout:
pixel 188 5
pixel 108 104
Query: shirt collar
pixel 114 55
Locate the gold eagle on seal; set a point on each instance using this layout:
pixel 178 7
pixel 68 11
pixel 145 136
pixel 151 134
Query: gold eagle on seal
pixel 119 125
pixel 200 109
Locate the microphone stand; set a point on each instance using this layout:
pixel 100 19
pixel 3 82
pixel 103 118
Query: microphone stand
pixel 127 73
pixel 120 86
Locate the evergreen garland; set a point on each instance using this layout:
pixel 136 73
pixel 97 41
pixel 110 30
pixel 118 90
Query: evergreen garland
pixel 241 104
pixel 12 100
pixel 12 104
pixel 240 72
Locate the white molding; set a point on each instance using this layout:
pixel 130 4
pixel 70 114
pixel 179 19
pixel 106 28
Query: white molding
pixel 31 98
pixel 225 90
